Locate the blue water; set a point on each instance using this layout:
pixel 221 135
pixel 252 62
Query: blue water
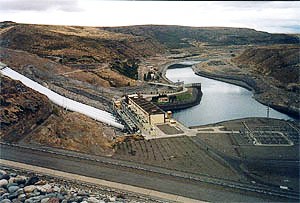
pixel 220 101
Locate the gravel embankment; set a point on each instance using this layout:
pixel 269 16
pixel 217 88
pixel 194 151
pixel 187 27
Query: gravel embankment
pixel 20 186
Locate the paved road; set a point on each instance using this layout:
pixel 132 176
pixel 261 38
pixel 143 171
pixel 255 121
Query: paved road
pixel 149 180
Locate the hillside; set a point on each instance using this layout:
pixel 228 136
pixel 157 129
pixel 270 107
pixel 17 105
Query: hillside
pixel 45 70
pixel 75 44
pixel 181 36
pixel 279 62
pixel 92 64
pixel 272 72
pixel 93 45
pixel 22 109
pixel 28 116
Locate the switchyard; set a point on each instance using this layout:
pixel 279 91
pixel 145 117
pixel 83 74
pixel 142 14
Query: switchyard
pixel 270 135
pixel 280 134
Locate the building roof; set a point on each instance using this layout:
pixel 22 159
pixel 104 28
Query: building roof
pixel 148 106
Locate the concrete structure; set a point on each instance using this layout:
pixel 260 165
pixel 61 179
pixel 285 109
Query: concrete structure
pixel 62 101
pixel 148 111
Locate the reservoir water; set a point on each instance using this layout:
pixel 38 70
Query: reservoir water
pixel 220 101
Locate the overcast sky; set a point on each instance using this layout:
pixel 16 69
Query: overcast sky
pixel 279 17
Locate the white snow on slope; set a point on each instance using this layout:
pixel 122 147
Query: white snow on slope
pixel 67 103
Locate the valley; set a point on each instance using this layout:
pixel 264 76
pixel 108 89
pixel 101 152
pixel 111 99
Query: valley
pixel 101 66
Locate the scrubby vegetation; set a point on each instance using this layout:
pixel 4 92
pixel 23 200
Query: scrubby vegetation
pixel 280 62
pixel 181 36
pixel 128 67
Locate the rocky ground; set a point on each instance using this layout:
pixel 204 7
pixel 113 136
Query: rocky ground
pixel 20 186
pixel 73 131
pixel 22 109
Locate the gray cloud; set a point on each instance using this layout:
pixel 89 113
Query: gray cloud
pixel 39 5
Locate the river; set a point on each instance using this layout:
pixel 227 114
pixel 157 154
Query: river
pixel 220 101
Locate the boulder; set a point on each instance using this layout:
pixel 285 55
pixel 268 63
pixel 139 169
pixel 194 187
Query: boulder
pixel 20 180
pixel 12 174
pixel 50 195
pixel 5 201
pixel 44 188
pixel 41 182
pixel 53 200
pixel 33 199
pixel 56 189
pixel 22 197
pixel 59 196
pixel 11 184
pixel 2 191
pixel 93 200
pixel 45 200
pixel 3 182
pixel 11 180
pixel 5 176
pixel 36 193
pixel 32 180
pixel 4 196
pixel 13 188
pixel 29 188
pixel 28 201
pixel 12 196
pixel 20 191
pixel 2 172
pixel 82 193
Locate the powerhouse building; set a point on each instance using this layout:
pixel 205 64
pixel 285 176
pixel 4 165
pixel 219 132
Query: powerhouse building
pixel 147 110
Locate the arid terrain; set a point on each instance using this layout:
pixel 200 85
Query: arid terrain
pixel 27 116
pixel 92 65
pixel 22 109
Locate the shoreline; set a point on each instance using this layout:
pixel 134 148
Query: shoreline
pixel 227 79
pixel 240 82
pixel 247 83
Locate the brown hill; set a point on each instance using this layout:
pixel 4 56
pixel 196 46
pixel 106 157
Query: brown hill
pixel 48 70
pixel 182 36
pixel 74 131
pixel 280 62
pixel 75 44
pixel 27 116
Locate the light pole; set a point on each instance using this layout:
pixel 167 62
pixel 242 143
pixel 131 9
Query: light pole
pixel 268 110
